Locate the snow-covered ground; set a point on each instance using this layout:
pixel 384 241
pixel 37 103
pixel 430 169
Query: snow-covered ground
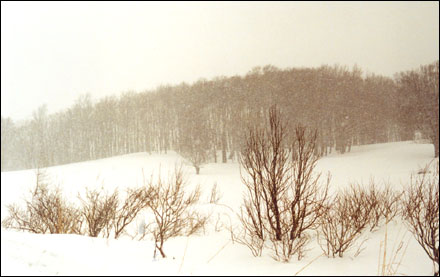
pixel 212 252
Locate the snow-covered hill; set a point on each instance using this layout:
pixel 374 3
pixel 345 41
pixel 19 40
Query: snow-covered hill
pixel 211 253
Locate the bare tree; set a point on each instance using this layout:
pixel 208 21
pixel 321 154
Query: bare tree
pixel 194 135
pixel 420 89
pixel 421 211
pixel 265 158
pixel 284 197
pixel 195 152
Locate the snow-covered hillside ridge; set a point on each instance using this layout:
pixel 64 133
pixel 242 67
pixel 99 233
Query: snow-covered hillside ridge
pixel 212 252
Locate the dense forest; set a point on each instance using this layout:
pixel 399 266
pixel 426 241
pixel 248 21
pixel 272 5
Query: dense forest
pixel 209 117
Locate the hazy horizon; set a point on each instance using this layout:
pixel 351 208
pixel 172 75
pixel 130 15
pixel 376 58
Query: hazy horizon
pixel 51 53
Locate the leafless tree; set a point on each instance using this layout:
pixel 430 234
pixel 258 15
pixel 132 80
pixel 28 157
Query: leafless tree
pixel 420 88
pixel 421 211
pixel 284 197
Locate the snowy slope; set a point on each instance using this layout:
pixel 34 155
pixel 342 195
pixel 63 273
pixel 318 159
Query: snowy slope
pixel 211 253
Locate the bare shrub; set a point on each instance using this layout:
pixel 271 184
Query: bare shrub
pixel 383 203
pixel 136 199
pixel 390 203
pixel 421 211
pixel 373 198
pixel 45 212
pixel 172 211
pixel 343 220
pixel 285 248
pixel 105 214
pixel 99 211
pixel 250 235
pixel 305 196
pixel 284 198
pixel 196 223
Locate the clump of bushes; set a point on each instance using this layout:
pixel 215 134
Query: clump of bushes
pixel 104 214
pixel 45 211
pixel 421 211
pixel 343 220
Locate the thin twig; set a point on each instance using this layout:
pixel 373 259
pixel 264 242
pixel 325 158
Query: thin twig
pixel 218 251
pixel 184 254
pixel 309 263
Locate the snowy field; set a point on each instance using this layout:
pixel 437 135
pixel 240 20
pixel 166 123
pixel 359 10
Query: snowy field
pixel 212 252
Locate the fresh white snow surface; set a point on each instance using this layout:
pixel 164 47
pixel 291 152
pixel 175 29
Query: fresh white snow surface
pixel 212 252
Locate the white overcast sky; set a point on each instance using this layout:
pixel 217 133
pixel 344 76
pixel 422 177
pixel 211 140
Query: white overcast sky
pixel 51 53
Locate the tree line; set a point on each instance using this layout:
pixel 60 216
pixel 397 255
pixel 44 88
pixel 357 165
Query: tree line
pixel 204 121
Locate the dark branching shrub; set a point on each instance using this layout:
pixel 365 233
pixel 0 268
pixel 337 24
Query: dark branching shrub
pixel 252 234
pixel 136 200
pixel 421 211
pixel 343 220
pixel 99 210
pixel 390 203
pixel 373 197
pixel 384 204
pixel 284 197
pixel 173 211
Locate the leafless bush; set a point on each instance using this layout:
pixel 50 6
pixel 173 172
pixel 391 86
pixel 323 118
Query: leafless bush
pixel 45 212
pixel 136 200
pixel 172 211
pixel 390 203
pixel 383 203
pixel 48 212
pixel 421 211
pixel 284 197
pixel 305 196
pixel 286 247
pixel 251 236
pixel 99 211
pixel 196 223
pixel 343 221
pixel 104 213
pixel 373 197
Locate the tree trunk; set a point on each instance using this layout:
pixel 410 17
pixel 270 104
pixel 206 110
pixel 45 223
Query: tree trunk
pixel 224 159
pixel 159 247
pixel 197 170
